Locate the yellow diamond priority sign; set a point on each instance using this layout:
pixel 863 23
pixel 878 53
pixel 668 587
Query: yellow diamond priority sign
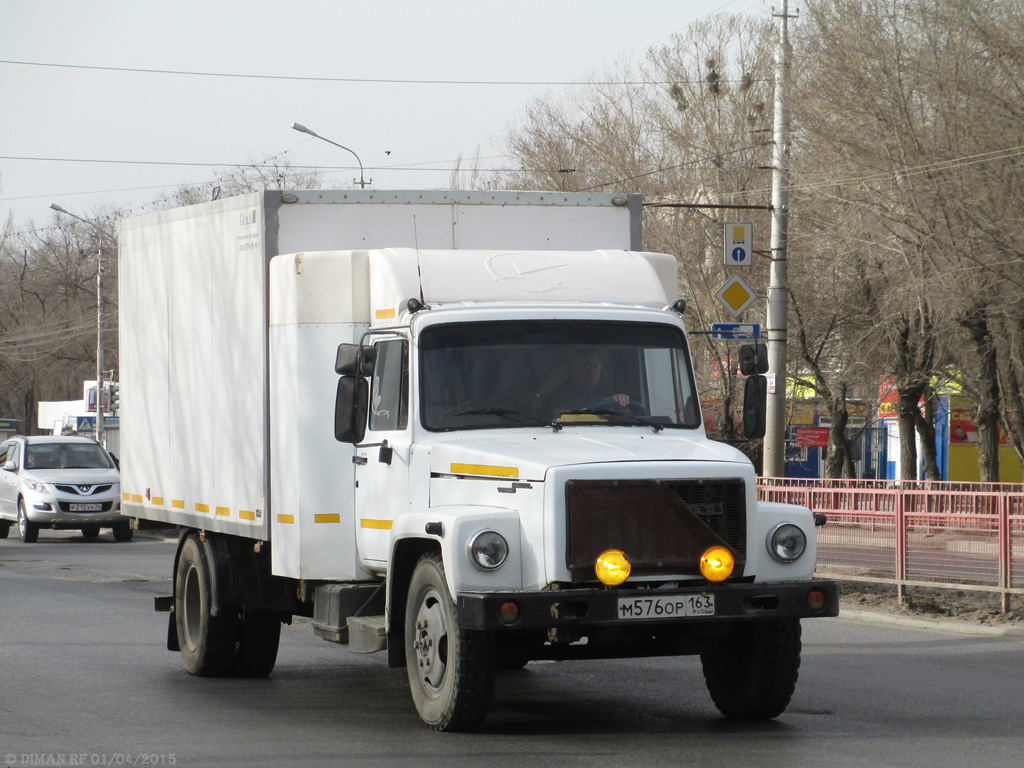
pixel 735 296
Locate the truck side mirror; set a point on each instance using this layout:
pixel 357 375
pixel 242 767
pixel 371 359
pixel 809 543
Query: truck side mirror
pixel 350 407
pixel 755 405
pixel 355 360
pixel 753 359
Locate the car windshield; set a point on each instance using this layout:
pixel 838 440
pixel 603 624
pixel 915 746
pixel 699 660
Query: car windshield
pixel 529 373
pixel 65 456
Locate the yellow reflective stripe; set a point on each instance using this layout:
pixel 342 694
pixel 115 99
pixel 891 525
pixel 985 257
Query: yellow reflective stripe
pixel 381 525
pixel 202 507
pixel 178 503
pixel 483 469
pixel 126 496
pixel 384 314
pixel 246 514
pixel 158 501
pixel 136 498
pixel 223 511
pixel 327 518
pixel 288 519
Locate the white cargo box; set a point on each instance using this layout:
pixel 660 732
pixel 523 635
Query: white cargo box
pixel 195 363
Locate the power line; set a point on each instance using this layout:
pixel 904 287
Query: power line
pixel 369 80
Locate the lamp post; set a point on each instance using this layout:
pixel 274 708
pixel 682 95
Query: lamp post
pixel 99 319
pixel 303 129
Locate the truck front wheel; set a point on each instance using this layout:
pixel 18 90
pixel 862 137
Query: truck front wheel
pixel 451 670
pixel 208 644
pixel 751 674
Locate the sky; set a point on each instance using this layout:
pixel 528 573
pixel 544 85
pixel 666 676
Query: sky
pixel 79 131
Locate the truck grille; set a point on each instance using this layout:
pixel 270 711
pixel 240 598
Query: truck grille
pixel 86 489
pixel 720 504
pixel 663 526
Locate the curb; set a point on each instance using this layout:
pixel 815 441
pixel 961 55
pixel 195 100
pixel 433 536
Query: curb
pixel 957 627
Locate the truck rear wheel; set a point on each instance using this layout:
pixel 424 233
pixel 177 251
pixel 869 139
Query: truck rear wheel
pixel 259 639
pixel 451 670
pixel 208 644
pixel 752 673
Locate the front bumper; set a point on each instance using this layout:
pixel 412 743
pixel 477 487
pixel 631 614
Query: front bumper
pixel 583 608
pixel 55 511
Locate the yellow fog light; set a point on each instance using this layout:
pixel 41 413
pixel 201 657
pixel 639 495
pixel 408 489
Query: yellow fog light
pixel 612 567
pixel 716 564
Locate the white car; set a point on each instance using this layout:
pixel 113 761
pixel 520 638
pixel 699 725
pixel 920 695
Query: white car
pixel 61 483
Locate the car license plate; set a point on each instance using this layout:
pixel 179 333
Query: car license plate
pixel 85 507
pixel 666 607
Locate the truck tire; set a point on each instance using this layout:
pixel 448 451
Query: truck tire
pixel 259 639
pixel 28 530
pixel 451 670
pixel 90 531
pixel 5 528
pixel 208 644
pixel 123 531
pixel 752 673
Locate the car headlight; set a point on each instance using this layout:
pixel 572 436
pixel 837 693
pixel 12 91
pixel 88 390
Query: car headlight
pixel 786 542
pixel 488 550
pixel 36 487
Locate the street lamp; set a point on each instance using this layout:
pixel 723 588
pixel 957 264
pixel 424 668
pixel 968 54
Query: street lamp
pixel 99 319
pixel 303 129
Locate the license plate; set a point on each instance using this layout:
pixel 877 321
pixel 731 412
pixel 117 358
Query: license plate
pixel 86 507
pixel 666 607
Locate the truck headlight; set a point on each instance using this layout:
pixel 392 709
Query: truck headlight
pixel 786 542
pixel 488 550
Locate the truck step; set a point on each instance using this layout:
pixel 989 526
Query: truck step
pixel 366 634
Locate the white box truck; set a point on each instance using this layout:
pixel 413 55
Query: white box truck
pixel 458 427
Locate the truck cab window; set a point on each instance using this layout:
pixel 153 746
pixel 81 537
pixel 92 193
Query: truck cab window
pixel 529 373
pixel 389 390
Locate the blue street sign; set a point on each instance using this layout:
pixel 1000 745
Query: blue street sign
pixel 736 331
pixel 8 425
pixel 739 256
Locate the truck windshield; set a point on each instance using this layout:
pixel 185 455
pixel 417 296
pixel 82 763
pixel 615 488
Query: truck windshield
pixel 524 373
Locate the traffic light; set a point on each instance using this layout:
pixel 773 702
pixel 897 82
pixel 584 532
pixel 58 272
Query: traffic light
pixel 115 397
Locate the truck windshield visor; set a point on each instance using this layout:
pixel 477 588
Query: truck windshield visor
pixel 527 373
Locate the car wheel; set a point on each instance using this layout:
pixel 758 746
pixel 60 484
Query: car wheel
pixel 752 673
pixel 208 643
pixel 451 670
pixel 123 531
pixel 258 641
pixel 90 531
pixel 28 530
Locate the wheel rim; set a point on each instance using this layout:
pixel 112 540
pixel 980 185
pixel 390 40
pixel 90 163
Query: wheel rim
pixel 22 520
pixel 191 606
pixel 431 641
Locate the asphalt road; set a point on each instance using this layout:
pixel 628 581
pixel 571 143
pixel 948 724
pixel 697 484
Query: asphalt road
pixel 86 680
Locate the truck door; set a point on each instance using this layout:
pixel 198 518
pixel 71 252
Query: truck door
pixel 382 459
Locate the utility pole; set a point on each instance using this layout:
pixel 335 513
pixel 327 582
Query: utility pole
pixel 778 288
pixel 99 318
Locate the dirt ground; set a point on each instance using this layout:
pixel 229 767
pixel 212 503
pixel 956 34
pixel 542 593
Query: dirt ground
pixel 930 603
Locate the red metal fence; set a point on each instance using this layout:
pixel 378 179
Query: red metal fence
pixel 958 535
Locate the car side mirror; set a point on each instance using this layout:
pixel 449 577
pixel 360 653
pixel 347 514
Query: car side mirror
pixel 753 359
pixel 355 360
pixel 755 406
pixel 10 466
pixel 351 404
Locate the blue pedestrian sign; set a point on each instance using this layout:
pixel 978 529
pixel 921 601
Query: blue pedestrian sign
pixel 736 331
pixel 739 244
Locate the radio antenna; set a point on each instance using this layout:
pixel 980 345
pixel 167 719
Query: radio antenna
pixel 419 269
